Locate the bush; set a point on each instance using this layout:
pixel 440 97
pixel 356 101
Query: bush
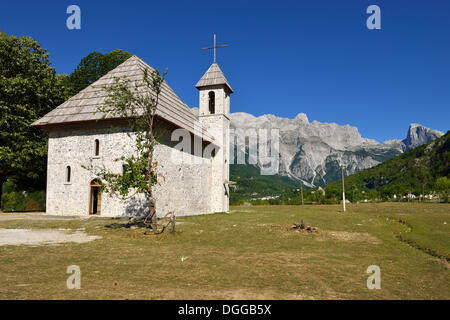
pixel 32 205
pixel 39 197
pixel 329 201
pixel 8 187
pixel 13 201
pixel 443 186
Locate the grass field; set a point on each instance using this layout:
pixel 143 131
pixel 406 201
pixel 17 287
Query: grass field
pixel 247 254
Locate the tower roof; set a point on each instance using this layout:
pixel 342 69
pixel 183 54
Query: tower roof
pixel 213 77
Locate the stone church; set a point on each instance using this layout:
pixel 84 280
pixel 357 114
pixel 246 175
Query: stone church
pixel 79 136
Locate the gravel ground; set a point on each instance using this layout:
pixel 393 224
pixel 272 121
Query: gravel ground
pixel 40 216
pixel 39 237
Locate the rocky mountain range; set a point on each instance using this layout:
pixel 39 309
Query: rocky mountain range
pixel 313 151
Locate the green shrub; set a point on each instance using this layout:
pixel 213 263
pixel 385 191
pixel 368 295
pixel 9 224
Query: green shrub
pixel 39 197
pixel 13 201
pixel 8 187
pixel 329 201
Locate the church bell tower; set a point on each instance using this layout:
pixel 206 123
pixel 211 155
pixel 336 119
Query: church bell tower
pixel 214 115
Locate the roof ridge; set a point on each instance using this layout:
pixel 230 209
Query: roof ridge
pixel 75 109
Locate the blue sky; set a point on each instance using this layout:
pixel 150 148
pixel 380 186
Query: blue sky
pixel 285 57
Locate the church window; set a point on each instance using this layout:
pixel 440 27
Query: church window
pixel 212 102
pixel 97 148
pixel 68 174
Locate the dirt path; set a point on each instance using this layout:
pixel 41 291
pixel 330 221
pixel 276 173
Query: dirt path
pixel 39 237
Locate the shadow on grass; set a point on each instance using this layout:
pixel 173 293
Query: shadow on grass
pixel 133 224
pixel 139 224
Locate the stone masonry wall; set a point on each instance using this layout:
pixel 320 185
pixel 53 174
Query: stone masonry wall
pixel 186 187
pixel 218 125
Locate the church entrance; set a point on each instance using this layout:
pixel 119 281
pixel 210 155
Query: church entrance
pixel 96 197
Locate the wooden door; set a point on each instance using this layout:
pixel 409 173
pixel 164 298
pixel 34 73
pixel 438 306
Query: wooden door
pixel 95 204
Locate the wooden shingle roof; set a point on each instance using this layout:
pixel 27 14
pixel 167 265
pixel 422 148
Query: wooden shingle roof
pixel 82 107
pixel 213 77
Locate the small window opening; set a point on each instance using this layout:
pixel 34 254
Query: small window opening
pixel 212 102
pixel 68 174
pixel 97 148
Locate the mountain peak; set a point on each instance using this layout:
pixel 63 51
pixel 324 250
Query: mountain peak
pixel 302 117
pixel 418 135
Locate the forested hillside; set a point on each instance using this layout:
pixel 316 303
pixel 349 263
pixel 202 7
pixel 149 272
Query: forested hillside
pixel 250 184
pixel 422 170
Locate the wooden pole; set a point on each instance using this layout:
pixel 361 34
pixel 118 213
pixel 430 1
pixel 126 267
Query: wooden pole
pixel 214 48
pixel 301 190
pixel 343 189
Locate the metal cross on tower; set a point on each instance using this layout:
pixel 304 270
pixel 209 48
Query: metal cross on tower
pixel 214 47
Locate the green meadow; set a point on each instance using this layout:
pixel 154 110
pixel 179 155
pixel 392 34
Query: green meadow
pixel 249 253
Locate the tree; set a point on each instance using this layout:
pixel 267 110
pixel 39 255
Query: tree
pixel 443 187
pixel 93 67
pixel 319 195
pixel 423 175
pixel 29 89
pixel 138 102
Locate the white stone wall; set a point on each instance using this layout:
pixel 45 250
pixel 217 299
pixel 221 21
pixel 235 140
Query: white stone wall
pixel 218 125
pixel 185 189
